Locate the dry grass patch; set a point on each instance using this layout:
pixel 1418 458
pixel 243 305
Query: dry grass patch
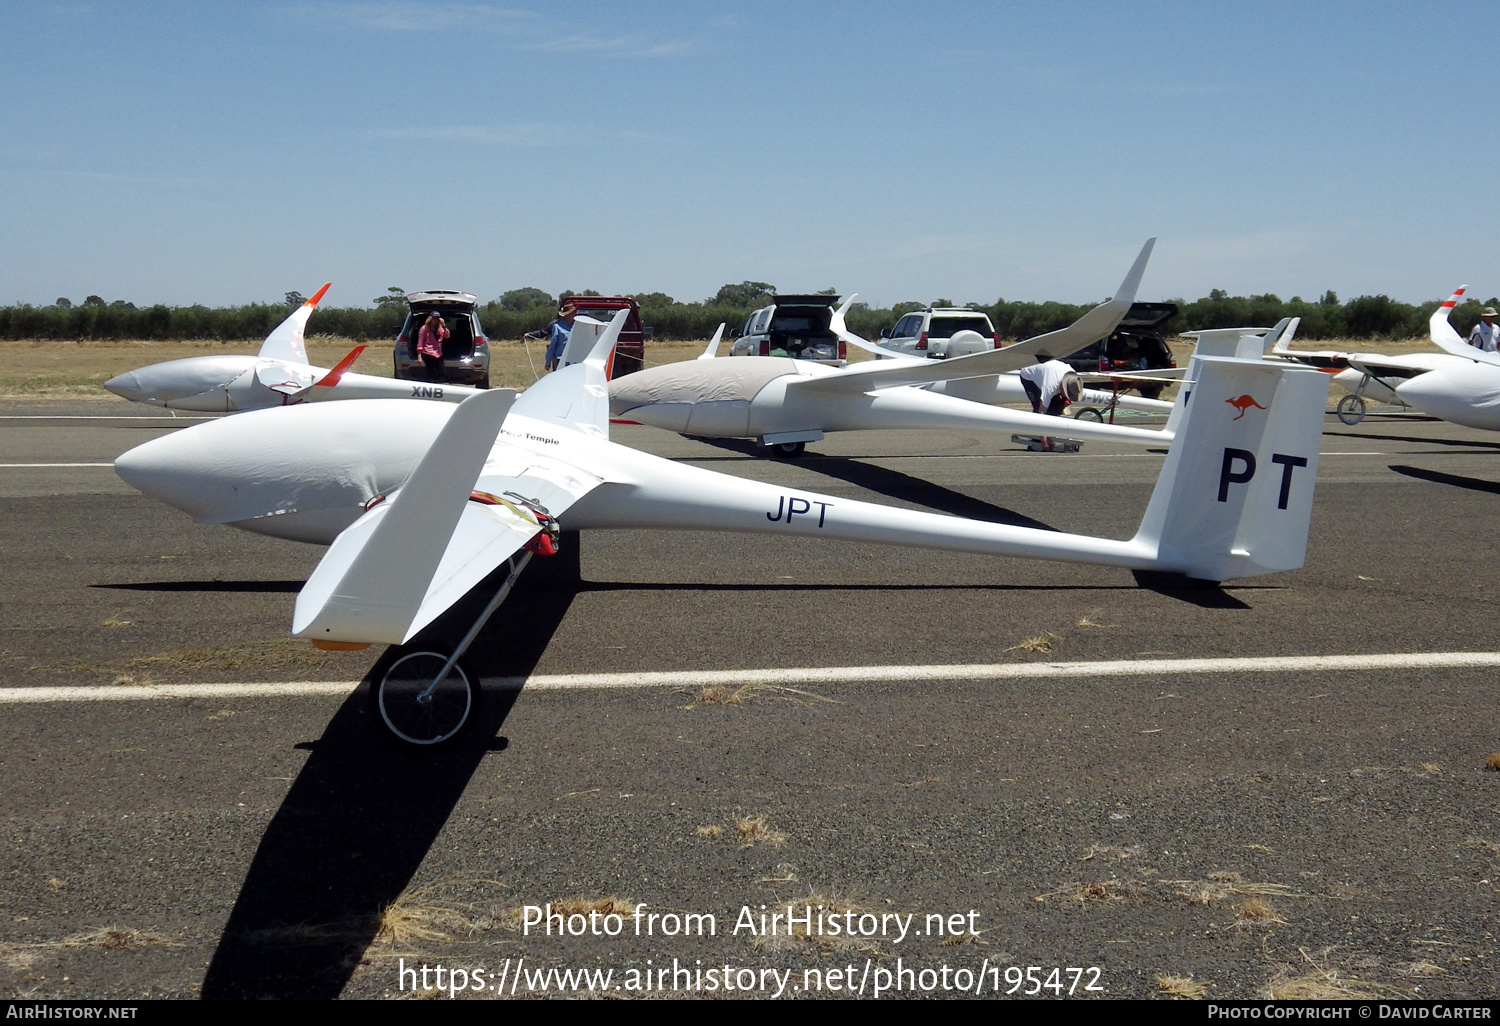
pixel 1254 912
pixel 1223 885
pixel 1109 852
pixel 1325 982
pixel 1181 987
pixel 1099 892
pixel 60 369
pixel 784 872
pixel 1429 767
pixel 114 622
pixel 418 914
pixel 1040 643
pixel 1492 761
pixel 1422 967
pixel 271 652
pixel 712 830
pixel 723 694
pixel 109 938
pixel 242 656
pixel 755 830
pixel 1089 621
pixel 577 905
pixel 115 938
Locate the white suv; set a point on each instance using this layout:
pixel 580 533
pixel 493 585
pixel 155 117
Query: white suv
pixel 939 332
pixel 795 326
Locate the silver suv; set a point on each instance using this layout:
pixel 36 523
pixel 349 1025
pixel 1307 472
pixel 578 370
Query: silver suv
pixel 795 326
pixel 939 332
pixel 466 352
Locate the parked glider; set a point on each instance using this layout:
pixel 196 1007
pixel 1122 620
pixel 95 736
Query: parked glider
pixel 421 501
pixel 1005 389
pixel 785 403
pixel 279 375
pixel 1460 384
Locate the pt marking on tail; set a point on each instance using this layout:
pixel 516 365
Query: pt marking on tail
pixel 1243 404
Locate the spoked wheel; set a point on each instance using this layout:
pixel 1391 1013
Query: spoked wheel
pixel 417 710
pixel 788 450
pixel 1351 409
pixel 1089 413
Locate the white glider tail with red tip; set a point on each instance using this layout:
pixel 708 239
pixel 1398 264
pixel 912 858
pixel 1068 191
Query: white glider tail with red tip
pixel 1450 341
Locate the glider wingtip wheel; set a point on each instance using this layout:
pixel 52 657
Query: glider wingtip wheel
pixel 1351 409
pixel 425 698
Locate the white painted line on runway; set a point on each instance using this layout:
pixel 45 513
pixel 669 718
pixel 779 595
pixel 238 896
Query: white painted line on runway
pixel 23 466
pixel 801 676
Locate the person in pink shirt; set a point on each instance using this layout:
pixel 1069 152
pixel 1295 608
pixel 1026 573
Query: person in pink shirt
pixel 430 345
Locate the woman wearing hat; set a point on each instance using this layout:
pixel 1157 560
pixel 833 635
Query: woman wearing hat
pixel 1486 334
pixel 561 329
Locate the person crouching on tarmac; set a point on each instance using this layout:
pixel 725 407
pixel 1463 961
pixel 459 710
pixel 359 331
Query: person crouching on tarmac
pixel 1051 385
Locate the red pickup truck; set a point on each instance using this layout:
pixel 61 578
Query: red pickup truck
pixel 630 351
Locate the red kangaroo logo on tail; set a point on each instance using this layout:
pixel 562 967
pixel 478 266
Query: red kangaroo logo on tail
pixel 1243 404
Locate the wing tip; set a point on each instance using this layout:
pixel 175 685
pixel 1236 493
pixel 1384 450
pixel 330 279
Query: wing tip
pixel 318 295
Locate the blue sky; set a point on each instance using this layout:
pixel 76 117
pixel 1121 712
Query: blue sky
pixel 223 154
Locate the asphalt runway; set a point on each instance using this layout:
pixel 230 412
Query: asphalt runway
pixel 1245 825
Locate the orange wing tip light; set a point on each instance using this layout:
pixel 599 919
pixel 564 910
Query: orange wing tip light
pixel 339 646
pixel 318 294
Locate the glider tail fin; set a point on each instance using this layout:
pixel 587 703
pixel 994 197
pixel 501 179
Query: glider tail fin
pixel 285 340
pixel 713 345
pixel 1235 495
pixel 1441 330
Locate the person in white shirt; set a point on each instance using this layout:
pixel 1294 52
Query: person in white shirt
pixel 1486 334
pixel 1050 385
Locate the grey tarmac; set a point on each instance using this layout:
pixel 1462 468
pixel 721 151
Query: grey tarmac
pixel 1246 830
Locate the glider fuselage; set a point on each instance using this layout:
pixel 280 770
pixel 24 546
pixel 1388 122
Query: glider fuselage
pixel 770 396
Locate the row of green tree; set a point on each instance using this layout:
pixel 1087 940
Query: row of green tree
pixel 522 310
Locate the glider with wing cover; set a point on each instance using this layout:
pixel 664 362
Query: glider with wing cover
pixel 785 403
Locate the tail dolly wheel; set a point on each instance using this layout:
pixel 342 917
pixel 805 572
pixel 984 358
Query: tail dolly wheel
pixel 427 698
pixel 1351 408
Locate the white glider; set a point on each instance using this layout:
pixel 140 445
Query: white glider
pixel 421 501
pixel 786 403
pixel 1461 384
pixel 1005 389
pixel 279 375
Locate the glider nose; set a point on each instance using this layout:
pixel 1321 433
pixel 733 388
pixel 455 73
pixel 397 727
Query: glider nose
pixel 196 383
pixel 128 386
pixel 1435 394
pixel 176 469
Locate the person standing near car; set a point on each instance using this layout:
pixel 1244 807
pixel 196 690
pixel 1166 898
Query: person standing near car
pixel 1486 334
pixel 430 345
pixel 562 329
